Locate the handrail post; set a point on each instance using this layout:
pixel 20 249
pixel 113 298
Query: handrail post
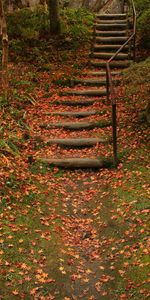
pixel 134 48
pixel 107 85
pixel 114 129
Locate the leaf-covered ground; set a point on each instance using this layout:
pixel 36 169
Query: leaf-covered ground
pixel 70 235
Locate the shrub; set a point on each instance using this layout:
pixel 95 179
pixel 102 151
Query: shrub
pixel 144 29
pixel 27 24
pixel 30 24
pixel 142 5
pixel 76 23
pixel 143 22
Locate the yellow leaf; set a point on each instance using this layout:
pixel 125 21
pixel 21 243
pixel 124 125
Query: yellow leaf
pixel 20 241
pixel 15 292
pixel 88 271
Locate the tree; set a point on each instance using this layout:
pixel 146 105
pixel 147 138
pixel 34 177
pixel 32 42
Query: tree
pixel 54 17
pixel 85 4
pixel 4 37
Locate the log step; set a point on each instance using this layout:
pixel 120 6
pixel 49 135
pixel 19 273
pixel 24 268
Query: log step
pixel 91 82
pixel 77 114
pixel 111 16
pixel 110 33
pixel 114 64
pixel 107 55
pixel 78 143
pixel 111 40
pixel 89 93
pixel 75 103
pixel 112 26
pixel 77 163
pixel 77 125
pixel 99 73
pixel 108 47
pixel 94 82
pixel 99 21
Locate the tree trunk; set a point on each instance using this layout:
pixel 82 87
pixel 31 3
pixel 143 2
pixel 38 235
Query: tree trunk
pixel 97 5
pixel 54 17
pixel 85 4
pixel 4 36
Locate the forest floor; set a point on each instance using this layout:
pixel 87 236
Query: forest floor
pixel 70 235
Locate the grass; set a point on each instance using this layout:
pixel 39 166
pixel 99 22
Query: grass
pixel 28 235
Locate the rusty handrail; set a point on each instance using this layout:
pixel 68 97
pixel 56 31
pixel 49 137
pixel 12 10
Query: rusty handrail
pixel 109 83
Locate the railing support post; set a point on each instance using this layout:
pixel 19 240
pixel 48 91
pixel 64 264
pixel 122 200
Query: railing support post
pixel 107 85
pixel 134 48
pixel 114 129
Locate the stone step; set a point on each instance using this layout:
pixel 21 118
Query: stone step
pixel 112 26
pixel 108 47
pixel 77 163
pixel 77 114
pixel 114 64
pixel 111 40
pixel 78 142
pixel 84 102
pixel 89 93
pixel 77 125
pixel 111 16
pixel 111 33
pixel 107 55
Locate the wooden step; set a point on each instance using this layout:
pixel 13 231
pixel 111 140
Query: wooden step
pixel 78 142
pixel 111 33
pixel 91 82
pixel 89 93
pixel 84 102
pixel 94 82
pixel 111 16
pixel 99 73
pixel 77 125
pixel 107 55
pixel 113 26
pixel 108 47
pixel 111 40
pixel 100 21
pixel 114 64
pixel 76 114
pixel 77 163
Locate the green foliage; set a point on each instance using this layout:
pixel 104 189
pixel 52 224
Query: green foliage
pixel 142 5
pixel 76 23
pixel 27 24
pixel 144 29
pixel 137 82
pixel 143 23
pixel 30 25
pixel 137 74
pixel 4 102
pixel 9 147
pixel 29 34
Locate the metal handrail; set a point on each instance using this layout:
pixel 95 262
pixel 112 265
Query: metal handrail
pixel 109 83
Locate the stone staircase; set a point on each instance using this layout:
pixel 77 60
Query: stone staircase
pixel 85 139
